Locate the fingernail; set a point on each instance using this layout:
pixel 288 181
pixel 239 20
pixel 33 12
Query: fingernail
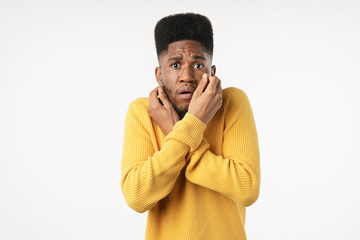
pixel 204 75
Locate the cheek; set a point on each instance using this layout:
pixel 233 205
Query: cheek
pixel 169 82
pixel 171 91
pixel 169 88
pixel 200 72
pixel 207 70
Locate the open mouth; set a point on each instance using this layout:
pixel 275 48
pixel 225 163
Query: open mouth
pixel 186 92
pixel 186 95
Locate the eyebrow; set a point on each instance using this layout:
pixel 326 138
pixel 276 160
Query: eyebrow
pixel 178 58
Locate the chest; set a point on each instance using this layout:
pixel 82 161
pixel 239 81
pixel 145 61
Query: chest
pixel 214 134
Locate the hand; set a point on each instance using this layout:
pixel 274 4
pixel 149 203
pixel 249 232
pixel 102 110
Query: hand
pixel 207 98
pixel 164 115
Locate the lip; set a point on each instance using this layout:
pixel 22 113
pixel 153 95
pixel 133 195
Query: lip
pixel 189 92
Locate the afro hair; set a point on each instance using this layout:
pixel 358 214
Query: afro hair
pixel 183 26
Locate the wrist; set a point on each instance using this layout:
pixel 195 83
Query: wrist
pixel 189 131
pixel 197 116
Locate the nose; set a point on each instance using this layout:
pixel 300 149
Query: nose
pixel 187 75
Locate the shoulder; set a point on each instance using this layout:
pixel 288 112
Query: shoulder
pixel 233 92
pixel 234 96
pixel 138 109
pixel 237 108
pixel 139 105
pixel 137 115
pixel 140 102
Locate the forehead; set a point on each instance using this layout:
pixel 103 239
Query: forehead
pixel 184 48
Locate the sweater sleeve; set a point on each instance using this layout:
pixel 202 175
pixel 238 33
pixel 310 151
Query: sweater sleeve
pixel 148 175
pixel 236 173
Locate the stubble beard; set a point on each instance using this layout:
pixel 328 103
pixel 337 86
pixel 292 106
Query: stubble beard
pixel 181 113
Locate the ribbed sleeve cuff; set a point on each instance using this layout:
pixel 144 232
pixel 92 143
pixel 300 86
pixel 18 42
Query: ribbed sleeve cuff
pixel 189 130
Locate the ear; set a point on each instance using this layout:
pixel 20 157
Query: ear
pixel 158 76
pixel 213 70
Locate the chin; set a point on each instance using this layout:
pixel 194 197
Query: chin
pixel 181 111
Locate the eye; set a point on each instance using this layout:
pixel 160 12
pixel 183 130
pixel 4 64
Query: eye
pixel 175 65
pixel 198 66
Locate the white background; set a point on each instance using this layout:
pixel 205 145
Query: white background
pixel 69 69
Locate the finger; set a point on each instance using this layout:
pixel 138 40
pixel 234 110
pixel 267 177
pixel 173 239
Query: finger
pixel 220 92
pixel 153 93
pixel 219 89
pixel 213 82
pixel 164 98
pixel 202 85
pixel 153 99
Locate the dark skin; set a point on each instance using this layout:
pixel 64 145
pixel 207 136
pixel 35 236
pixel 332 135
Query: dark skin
pixel 187 83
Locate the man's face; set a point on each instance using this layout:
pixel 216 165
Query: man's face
pixel 180 69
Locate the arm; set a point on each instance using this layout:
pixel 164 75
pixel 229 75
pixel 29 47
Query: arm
pixel 147 175
pixel 236 174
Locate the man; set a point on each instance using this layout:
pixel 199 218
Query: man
pixel 190 155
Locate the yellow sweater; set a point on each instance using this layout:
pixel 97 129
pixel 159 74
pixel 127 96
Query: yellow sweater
pixel 196 181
